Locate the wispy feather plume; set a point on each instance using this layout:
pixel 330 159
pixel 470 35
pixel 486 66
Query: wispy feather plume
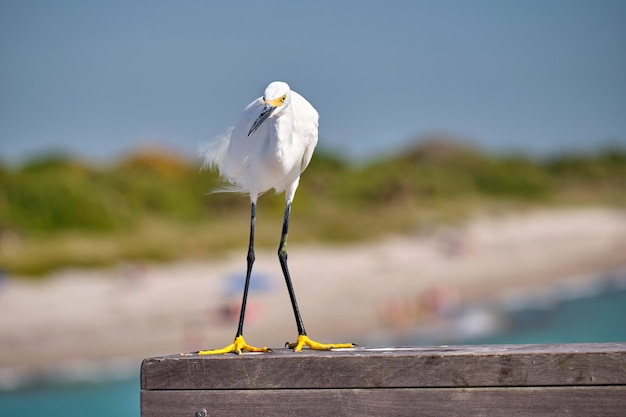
pixel 213 153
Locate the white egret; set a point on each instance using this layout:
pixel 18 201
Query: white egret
pixel 269 147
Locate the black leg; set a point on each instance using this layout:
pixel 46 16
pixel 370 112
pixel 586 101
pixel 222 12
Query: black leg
pixel 282 257
pixel 250 260
pixel 239 344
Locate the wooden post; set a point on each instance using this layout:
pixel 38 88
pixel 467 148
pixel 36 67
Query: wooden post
pixel 495 380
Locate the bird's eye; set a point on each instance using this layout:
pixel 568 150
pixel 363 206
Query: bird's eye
pixel 283 98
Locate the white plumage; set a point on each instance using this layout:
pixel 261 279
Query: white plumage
pixel 275 153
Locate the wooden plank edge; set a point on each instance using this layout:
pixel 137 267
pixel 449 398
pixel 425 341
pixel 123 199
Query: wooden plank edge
pixel 499 365
pixel 513 402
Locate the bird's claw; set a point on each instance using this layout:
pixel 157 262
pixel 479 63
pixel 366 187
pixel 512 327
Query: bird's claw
pixel 304 340
pixel 238 346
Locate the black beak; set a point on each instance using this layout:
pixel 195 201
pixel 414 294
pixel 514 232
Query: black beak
pixel 265 113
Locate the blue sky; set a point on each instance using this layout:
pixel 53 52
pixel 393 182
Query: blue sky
pixel 97 78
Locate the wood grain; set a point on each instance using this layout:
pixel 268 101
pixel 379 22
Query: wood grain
pixel 434 402
pixel 418 367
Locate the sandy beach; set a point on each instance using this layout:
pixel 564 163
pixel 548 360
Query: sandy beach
pixel 356 293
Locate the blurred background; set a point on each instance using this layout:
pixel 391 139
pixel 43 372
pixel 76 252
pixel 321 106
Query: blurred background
pixel 469 185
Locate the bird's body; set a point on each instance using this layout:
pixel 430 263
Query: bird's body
pixel 276 153
pixel 269 147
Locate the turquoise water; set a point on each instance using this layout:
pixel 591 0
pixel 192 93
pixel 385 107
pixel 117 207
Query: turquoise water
pixel 597 317
pixel 106 399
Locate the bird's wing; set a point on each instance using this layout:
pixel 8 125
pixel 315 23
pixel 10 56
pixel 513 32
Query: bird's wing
pixel 241 146
pixel 229 153
pixel 306 122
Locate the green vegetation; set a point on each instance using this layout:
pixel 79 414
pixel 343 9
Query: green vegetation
pixel 57 211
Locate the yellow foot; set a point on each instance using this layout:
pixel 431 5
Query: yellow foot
pixel 236 347
pixel 303 340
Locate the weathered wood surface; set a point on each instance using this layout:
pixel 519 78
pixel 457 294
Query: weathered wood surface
pixel 496 380
pixel 440 366
pixel 400 402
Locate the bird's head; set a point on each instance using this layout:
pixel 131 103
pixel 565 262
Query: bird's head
pixel 276 97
